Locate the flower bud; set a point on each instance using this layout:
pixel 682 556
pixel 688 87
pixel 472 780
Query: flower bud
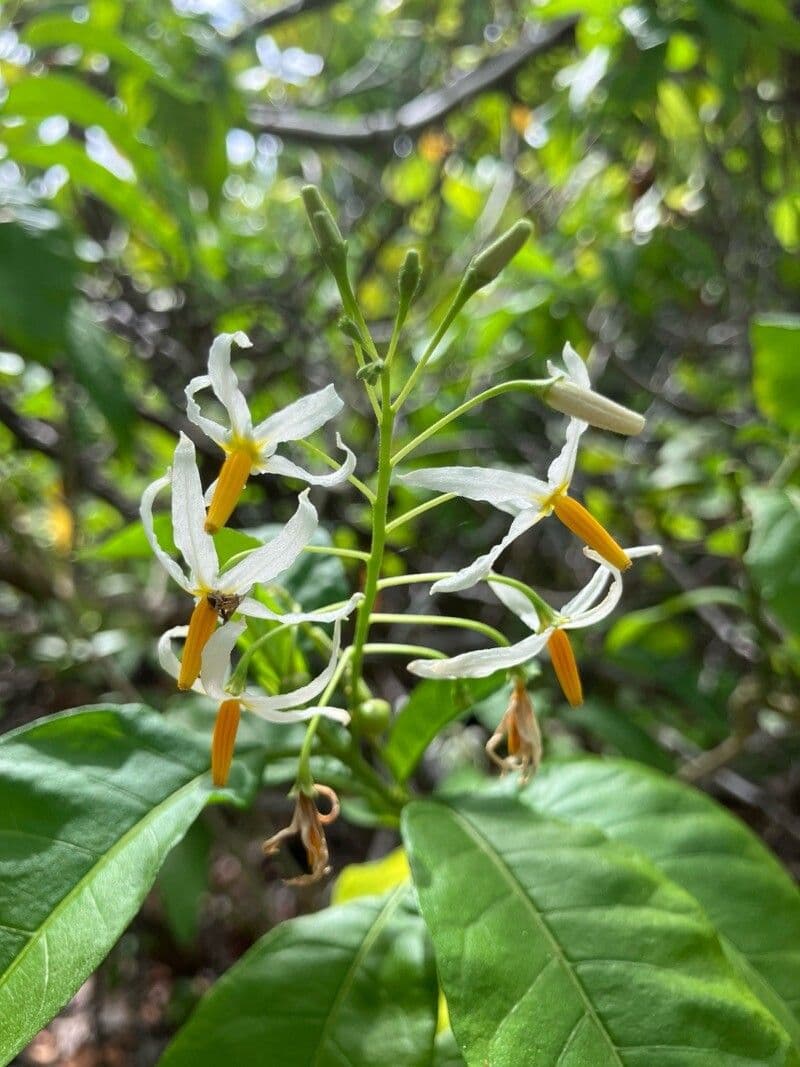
pixel 370 372
pixel 409 278
pixel 349 329
pixel 571 399
pixel 485 267
pixel 332 245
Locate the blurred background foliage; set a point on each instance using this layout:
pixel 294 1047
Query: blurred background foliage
pixel 151 157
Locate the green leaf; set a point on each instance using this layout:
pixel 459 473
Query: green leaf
pixel 131 542
pixel 431 706
pixel 748 896
pixel 446 1052
pixel 616 728
pixel 91 802
pixel 352 986
pixel 183 880
pixel 551 938
pixel 773 555
pixel 630 629
pixel 776 368
pixel 97 368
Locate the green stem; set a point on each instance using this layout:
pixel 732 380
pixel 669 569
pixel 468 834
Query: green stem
pixel 329 461
pixel 342 553
pixel 433 344
pixel 304 779
pixel 381 648
pixel 445 620
pixel 379 513
pixel 518 384
pixel 419 510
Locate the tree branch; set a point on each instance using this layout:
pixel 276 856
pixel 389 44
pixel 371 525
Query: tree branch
pixel 277 16
pixel 424 109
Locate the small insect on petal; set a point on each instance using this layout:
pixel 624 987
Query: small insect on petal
pixel 232 480
pixel 223 741
pixel 584 525
pixel 563 660
pixel 201 626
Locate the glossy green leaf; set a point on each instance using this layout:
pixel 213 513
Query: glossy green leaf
pixel 431 706
pixel 748 896
pixel 352 986
pixel 446 1052
pixel 555 942
pixel 97 367
pixel 776 368
pixel 91 802
pixel 773 555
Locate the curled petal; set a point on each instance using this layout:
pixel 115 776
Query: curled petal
pixel 301 418
pixel 507 491
pixel 285 467
pixel 516 601
pixel 477 571
pixel 167 658
pixel 273 708
pixel 216 659
pixel 590 593
pixel 218 433
pixel 146 512
pixel 225 383
pixel 484 662
pixel 256 610
pixel 265 563
pixel 562 468
pixel 189 516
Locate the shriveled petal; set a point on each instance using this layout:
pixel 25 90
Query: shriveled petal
pixel 167 658
pixel 562 468
pixel 516 601
pixel 264 705
pixel 219 434
pixel 510 492
pixel 263 564
pixel 256 610
pixel 189 516
pixel 477 571
pixel 285 467
pixel 146 512
pixel 216 659
pixel 301 418
pixel 482 663
pixel 225 383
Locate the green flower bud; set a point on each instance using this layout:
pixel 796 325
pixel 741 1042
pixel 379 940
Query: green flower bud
pixel 371 372
pixel 349 329
pixel 485 267
pixel 409 278
pixel 332 245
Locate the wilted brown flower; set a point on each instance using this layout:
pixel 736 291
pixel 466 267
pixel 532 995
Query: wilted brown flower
pixel 521 732
pixel 304 837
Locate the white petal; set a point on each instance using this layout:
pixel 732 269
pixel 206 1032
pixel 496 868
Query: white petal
pixel 260 703
pixel 225 383
pixel 211 429
pixel 482 663
pixel 562 468
pixel 270 715
pixel 516 601
pixel 591 615
pixel 285 467
pixel 216 659
pixel 643 550
pixel 256 610
pixel 146 512
pixel 189 515
pixel 509 492
pixel 300 418
pixel 590 592
pixel 265 563
pixel 477 571
pixel 167 658
pixel 576 368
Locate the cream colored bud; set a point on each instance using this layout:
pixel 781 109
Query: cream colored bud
pixel 571 399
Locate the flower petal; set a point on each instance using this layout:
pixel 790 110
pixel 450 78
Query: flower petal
pixel 218 433
pixel 477 571
pixel 189 516
pixel 256 610
pixel 146 512
pixel 301 418
pixel 576 368
pixel 262 704
pixel 560 471
pixel 167 658
pixel 270 715
pixel 588 616
pixel 285 467
pixel 225 383
pixel 216 659
pixel 643 550
pixel 516 601
pixel 263 564
pixel 593 589
pixel 484 662
pixel 510 492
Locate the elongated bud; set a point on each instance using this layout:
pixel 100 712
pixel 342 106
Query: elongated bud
pixel 349 329
pixel 332 245
pixel 485 267
pixel 571 399
pixel 371 372
pixel 409 278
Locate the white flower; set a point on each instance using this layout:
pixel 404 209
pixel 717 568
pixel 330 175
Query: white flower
pixel 528 499
pixel 223 592
pixel 213 680
pixel 252 449
pixel 584 609
pixel 571 393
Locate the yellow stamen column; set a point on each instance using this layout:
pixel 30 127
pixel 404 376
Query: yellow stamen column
pixel 232 480
pixel 584 525
pixel 223 741
pixel 201 626
pixel 563 660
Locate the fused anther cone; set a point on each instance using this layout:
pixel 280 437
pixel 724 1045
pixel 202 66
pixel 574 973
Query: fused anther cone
pixel 223 740
pixel 232 480
pixel 563 660
pixel 584 525
pixel 201 626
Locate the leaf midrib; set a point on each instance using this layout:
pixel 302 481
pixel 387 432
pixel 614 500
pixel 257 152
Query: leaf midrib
pixel 517 887
pixel 85 881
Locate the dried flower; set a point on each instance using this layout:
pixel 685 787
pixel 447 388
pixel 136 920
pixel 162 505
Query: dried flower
pixel 304 837
pixel 520 729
